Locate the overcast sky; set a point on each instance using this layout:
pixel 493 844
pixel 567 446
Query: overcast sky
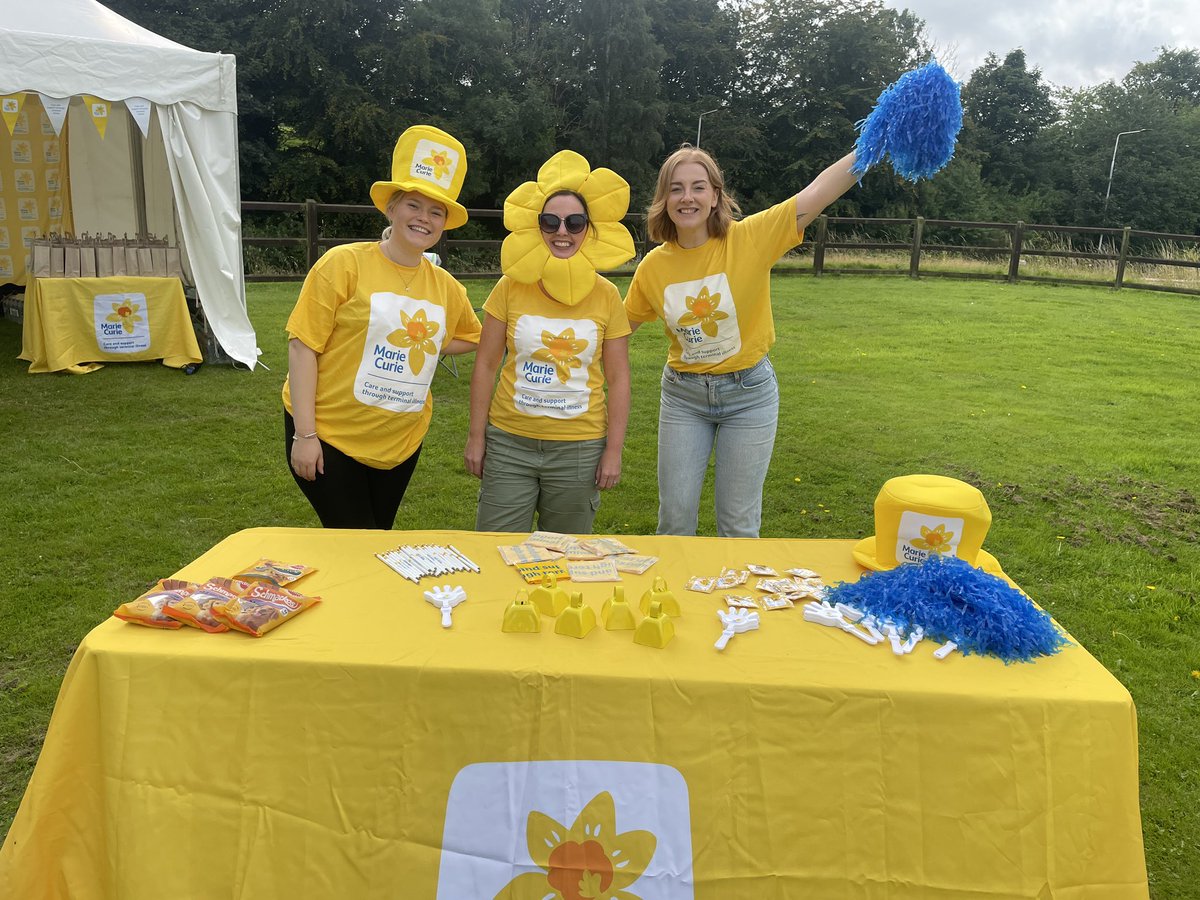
pixel 1076 43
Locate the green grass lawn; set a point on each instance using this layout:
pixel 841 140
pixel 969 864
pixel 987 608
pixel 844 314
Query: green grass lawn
pixel 1075 410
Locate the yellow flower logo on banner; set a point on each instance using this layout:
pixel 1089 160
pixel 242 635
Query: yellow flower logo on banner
pixel 935 540
pixel 524 256
pixel 562 351
pixel 126 313
pixel 10 108
pixel 99 111
pixel 439 160
pixel 589 861
pixel 415 333
pixel 703 312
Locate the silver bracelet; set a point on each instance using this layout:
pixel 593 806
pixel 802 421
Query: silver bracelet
pixel 303 437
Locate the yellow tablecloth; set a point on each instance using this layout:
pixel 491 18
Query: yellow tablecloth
pixel 70 322
pixel 363 751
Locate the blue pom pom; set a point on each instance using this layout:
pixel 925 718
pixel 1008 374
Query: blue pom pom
pixel 954 601
pixel 914 123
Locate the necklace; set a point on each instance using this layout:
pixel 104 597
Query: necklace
pixel 387 253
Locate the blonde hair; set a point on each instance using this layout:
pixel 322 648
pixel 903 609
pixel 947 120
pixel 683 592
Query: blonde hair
pixel 387 211
pixel 659 226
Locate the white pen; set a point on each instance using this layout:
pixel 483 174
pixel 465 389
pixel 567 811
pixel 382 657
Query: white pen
pixel 464 558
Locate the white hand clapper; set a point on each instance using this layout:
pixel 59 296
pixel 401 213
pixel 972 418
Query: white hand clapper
pixel 446 598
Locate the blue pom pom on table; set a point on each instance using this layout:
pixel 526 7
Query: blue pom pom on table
pixel 914 124
pixel 954 601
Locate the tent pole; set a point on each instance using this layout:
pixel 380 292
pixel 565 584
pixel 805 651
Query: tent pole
pixel 139 175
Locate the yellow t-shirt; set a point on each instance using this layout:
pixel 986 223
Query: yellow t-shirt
pixel 715 299
pixel 378 329
pixel 552 383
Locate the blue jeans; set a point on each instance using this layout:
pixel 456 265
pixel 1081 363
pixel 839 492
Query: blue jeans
pixel 738 413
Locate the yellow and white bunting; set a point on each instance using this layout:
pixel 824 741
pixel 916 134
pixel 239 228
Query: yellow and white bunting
pixel 10 108
pixel 99 111
pixel 139 108
pixel 56 111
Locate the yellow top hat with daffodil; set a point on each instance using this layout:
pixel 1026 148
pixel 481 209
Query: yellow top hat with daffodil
pixel 431 162
pixel 524 256
pixel 918 516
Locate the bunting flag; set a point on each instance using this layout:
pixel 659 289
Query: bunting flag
pixel 56 111
pixel 140 108
pixel 10 107
pixel 98 109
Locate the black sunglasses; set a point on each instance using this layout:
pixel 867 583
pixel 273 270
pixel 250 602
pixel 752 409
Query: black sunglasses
pixel 575 222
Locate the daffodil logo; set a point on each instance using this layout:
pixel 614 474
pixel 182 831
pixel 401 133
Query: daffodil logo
pixel 568 829
pixel 703 318
pixel 122 322
pixel 935 540
pixel 440 160
pixel 588 861
pixel 703 311
pixel 125 313
pixel 416 334
pixel 561 351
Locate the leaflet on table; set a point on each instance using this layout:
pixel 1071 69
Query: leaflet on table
pixel 593 570
pixel 532 572
pixel 546 546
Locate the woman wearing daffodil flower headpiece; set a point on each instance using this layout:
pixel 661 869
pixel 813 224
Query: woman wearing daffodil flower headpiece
pixel 547 439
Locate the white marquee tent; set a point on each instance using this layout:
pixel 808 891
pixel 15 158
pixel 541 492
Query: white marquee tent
pixel 188 165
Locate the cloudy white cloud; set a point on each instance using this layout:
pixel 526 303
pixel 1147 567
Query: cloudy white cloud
pixel 1076 43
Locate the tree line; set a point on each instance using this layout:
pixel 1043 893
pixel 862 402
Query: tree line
pixel 776 86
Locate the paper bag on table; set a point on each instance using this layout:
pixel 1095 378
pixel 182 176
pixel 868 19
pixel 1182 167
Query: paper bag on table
pixel 158 257
pixel 71 257
pixel 145 261
pixel 39 249
pixel 119 266
pixel 57 257
pixel 174 263
pixel 104 257
pixel 87 258
pixel 131 259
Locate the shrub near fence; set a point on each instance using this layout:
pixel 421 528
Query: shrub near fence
pixel 278 254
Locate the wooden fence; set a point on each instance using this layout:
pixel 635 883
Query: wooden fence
pixel 1015 238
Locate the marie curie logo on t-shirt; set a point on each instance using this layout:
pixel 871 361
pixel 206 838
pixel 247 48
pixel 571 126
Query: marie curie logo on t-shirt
pixel 552 359
pixel 404 338
pixel 433 162
pixel 567 830
pixel 921 536
pixel 122 323
pixel 704 319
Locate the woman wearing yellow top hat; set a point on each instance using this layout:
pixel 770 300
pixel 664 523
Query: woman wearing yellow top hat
pixel 365 337
pixel 547 439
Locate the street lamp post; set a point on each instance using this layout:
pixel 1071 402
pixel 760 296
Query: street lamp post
pixel 700 121
pixel 1113 164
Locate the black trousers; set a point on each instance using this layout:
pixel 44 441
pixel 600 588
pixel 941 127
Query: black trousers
pixel 350 494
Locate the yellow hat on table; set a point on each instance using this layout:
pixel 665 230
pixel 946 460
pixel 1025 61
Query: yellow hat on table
pixel 524 256
pixel 917 516
pixel 431 162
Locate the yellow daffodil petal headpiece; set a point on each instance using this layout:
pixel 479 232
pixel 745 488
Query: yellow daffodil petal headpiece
pixel 524 256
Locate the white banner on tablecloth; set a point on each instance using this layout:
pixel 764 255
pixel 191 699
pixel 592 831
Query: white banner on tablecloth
pixel 597 827
pixel 122 322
